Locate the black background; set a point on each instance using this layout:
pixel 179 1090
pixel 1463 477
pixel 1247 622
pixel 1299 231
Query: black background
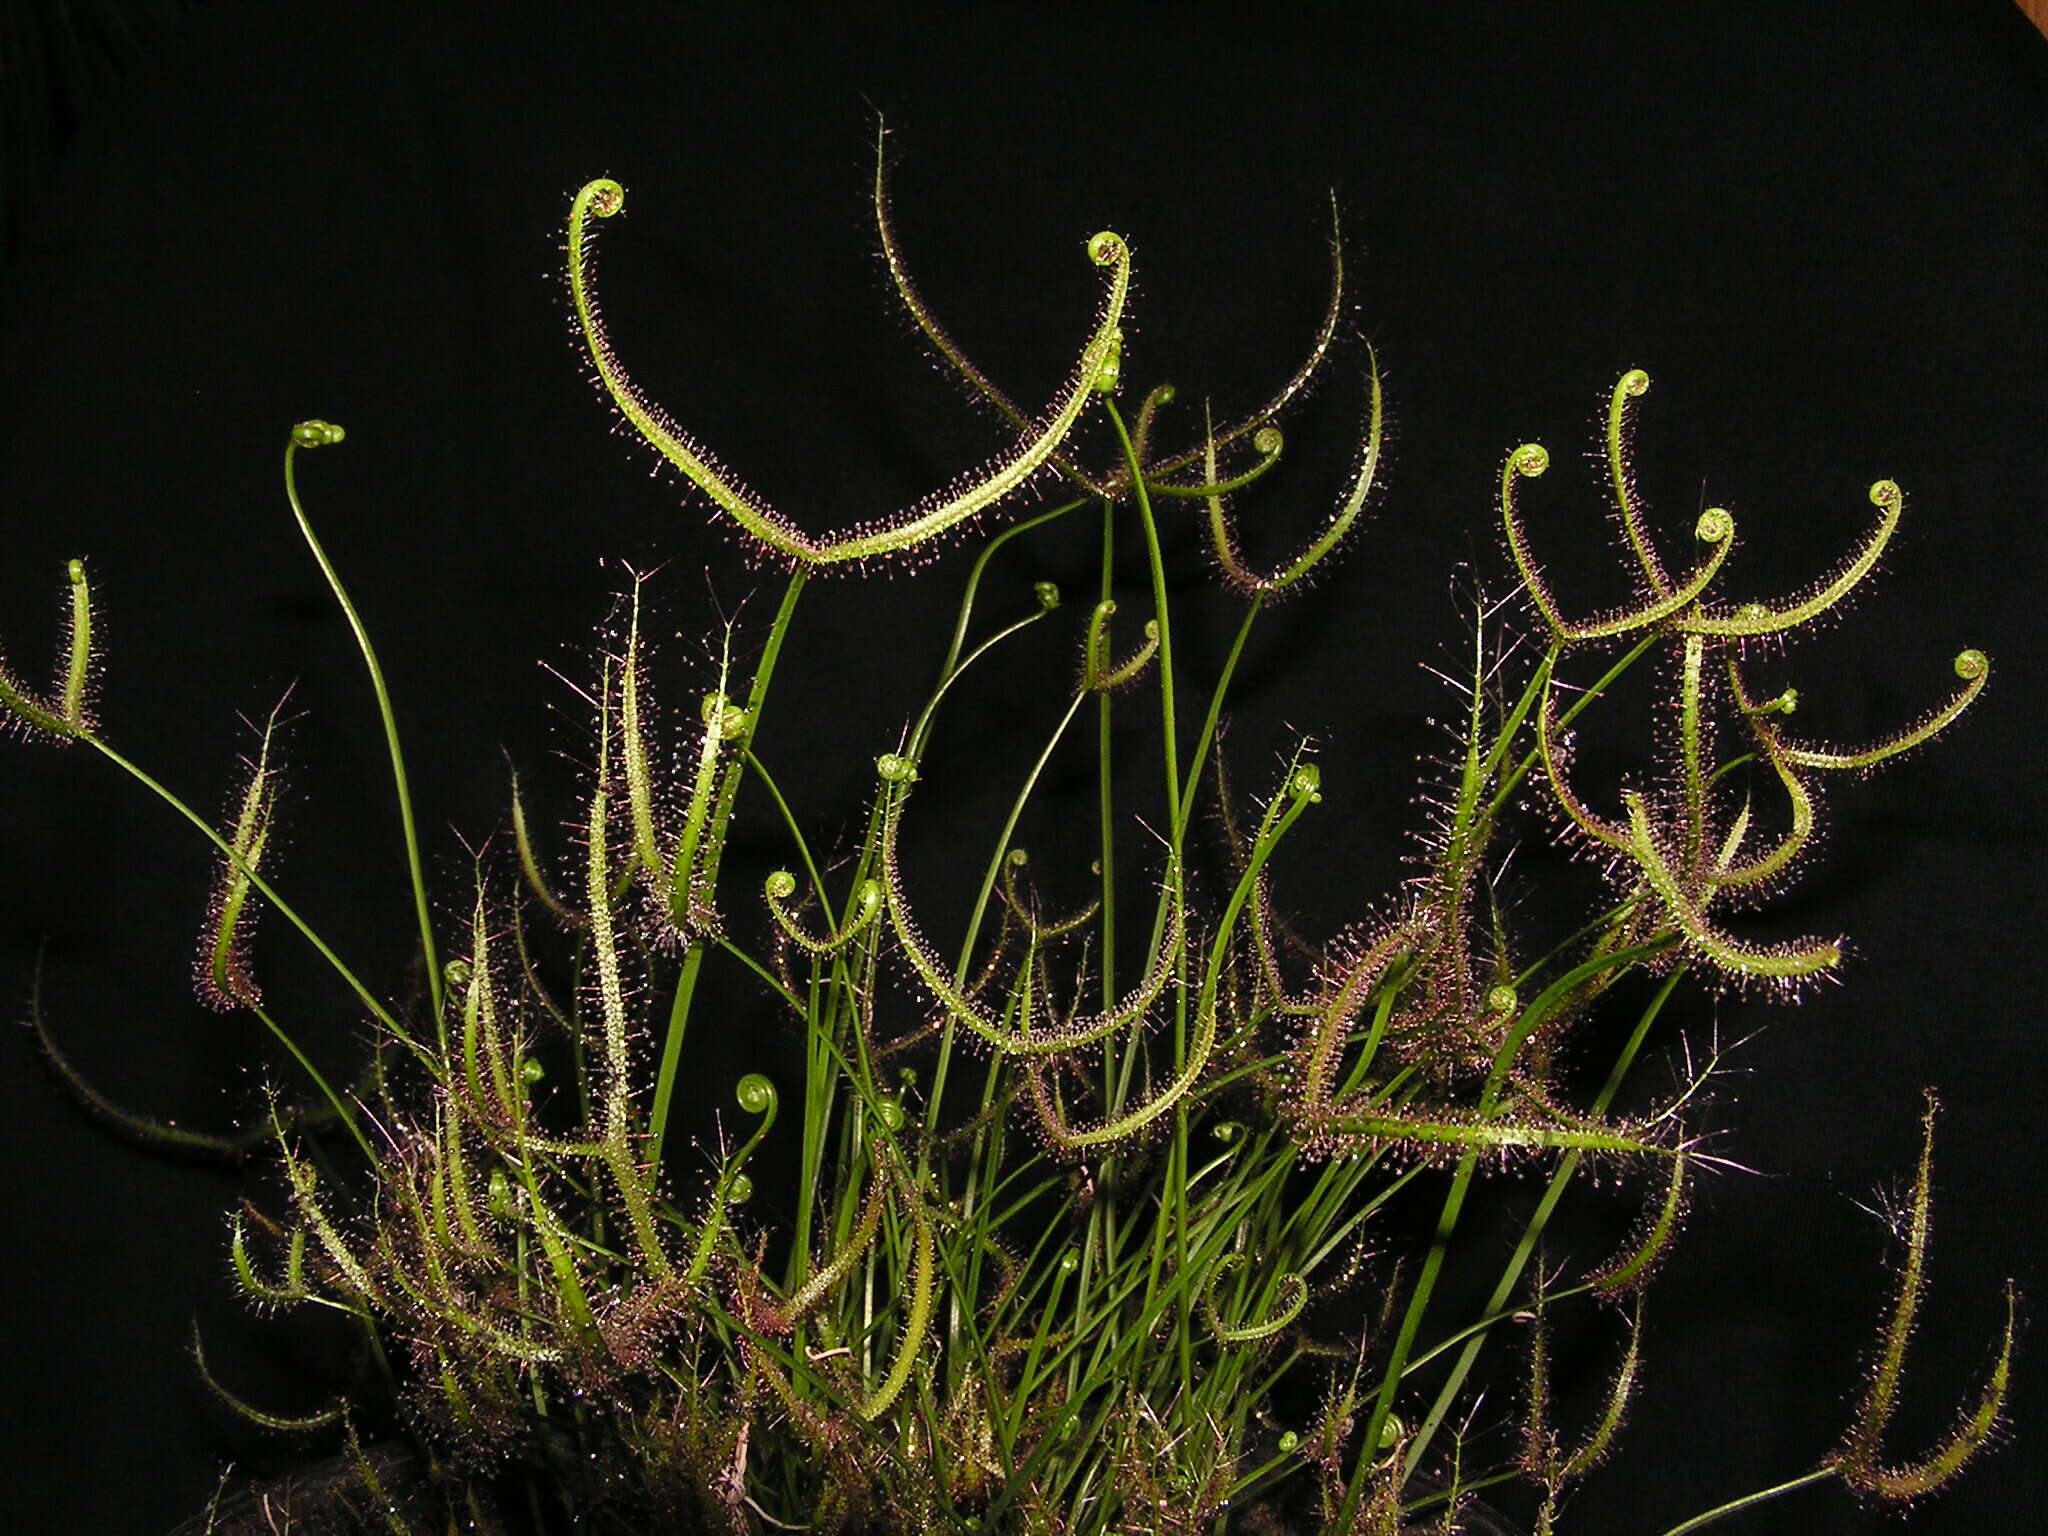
pixel 1823 229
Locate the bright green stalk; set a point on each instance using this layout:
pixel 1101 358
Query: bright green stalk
pixel 1105 786
pixel 1454 1201
pixel 1102 1216
pixel 964 965
pixel 975 572
pixel 1157 563
pixel 315 434
pixel 1214 717
pixel 1701 1521
pixel 1177 1158
pixel 341 1107
pixel 693 956
pixel 1411 1325
pixel 1532 1232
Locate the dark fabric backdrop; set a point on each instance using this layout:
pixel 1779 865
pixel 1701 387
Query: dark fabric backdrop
pixel 1823 228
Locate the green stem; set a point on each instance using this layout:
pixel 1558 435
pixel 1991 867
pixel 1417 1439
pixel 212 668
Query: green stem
pixel 980 567
pixel 1105 789
pixel 1819 1474
pixel 693 957
pixel 412 841
pixel 1176 819
pixel 1568 1165
pixel 964 964
pixel 1411 1324
pixel 1165 657
pixel 1213 719
pixel 341 1107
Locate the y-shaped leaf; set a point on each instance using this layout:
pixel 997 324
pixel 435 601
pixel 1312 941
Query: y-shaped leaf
pixel 1858 1459
pixel 937 514
pixel 1341 521
pixel 70 717
pixel 994 1028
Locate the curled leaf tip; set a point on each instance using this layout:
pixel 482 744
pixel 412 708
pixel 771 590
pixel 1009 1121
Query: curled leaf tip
pixel 1635 382
pixel 1784 704
pixel 1716 526
pixel 1971 665
pixel 315 433
pixel 1107 246
pixel 603 197
pixel 1268 439
pixel 756 1095
pixel 1885 493
pixel 1530 460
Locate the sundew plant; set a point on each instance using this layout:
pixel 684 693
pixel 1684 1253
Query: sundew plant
pixel 1092 1219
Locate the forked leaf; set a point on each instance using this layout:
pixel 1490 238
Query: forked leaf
pixel 1859 1461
